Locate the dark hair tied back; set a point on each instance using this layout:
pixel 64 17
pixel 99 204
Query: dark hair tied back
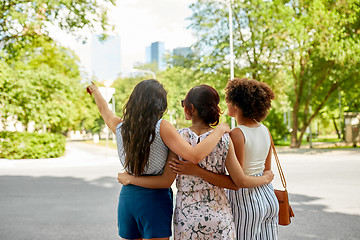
pixel 205 100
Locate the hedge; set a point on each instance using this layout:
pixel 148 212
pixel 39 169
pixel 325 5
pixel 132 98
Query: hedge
pixel 25 145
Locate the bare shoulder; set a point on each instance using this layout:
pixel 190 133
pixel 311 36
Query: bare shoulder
pixel 166 128
pixel 237 135
pixel 236 132
pixel 165 125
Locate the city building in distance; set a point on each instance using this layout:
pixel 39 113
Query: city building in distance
pixel 183 51
pixel 181 56
pixel 156 53
pixel 105 58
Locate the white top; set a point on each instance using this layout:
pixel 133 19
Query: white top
pixel 257 146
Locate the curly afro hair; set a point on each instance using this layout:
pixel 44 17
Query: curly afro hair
pixel 253 97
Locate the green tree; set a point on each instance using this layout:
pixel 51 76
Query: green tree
pixel 9 93
pixel 41 80
pixel 321 58
pixel 177 81
pixel 292 45
pixel 23 21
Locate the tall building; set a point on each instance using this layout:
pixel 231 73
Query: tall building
pixel 106 58
pixel 182 56
pixel 156 53
pixel 183 51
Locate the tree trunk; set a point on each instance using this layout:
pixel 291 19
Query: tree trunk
pixel 295 126
pixel 295 123
pixel 336 128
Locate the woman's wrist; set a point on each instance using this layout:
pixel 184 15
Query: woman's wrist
pixel 95 91
pixel 129 179
pixel 267 179
pixel 223 127
pixel 197 171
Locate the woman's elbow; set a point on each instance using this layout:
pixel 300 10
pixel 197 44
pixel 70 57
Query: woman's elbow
pixel 240 183
pixel 194 159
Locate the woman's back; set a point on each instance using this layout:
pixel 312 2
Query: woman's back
pixel 214 162
pixel 202 210
pixel 157 156
pixel 257 146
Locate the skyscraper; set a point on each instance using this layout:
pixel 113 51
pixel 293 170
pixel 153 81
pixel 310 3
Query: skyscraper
pixel 182 56
pixel 105 58
pixel 183 51
pixel 156 53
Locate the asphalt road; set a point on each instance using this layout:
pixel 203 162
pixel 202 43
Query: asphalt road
pixel 75 197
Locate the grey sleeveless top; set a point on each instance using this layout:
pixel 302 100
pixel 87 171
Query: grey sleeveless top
pixel 157 156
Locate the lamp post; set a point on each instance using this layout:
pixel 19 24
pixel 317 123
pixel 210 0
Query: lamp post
pixel 144 71
pixel 228 4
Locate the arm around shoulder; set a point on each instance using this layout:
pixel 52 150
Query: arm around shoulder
pixel 239 177
pixel 179 146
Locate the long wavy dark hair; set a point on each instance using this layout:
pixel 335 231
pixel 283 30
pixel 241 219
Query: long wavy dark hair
pixel 146 105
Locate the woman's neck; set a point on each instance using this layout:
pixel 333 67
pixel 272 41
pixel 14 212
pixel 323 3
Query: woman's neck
pixel 199 127
pixel 248 122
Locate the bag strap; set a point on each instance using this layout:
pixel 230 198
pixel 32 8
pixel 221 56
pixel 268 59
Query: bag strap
pixel 281 173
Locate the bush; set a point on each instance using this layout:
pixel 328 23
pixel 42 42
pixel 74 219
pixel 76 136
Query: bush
pixel 275 123
pixel 24 145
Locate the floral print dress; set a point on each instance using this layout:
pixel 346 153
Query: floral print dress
pixel 202 210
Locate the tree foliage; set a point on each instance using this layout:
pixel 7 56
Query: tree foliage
pixel 23 21
pixel 40 80
pixel 305 50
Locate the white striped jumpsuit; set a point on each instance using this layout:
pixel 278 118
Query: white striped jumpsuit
pixel 255 210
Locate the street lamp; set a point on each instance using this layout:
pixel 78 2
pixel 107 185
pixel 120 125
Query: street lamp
pixel 228 4
pixel 144 71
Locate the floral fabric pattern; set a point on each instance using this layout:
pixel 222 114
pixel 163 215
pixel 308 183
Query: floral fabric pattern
pixel 202 210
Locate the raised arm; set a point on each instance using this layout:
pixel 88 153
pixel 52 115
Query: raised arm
pixel 109 117
pixel 180 147
pixel 161 181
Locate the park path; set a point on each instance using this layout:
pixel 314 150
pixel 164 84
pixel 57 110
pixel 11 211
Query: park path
pixel 75 196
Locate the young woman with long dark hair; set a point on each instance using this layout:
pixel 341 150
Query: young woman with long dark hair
pixel 255 209
pixel 143 141
pixel 202 210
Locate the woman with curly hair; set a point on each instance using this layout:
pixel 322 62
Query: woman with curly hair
pixel 202 210
pixel 143 142
pixel 255 210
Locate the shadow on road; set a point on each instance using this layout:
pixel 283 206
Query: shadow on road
pixel 54 208
pixel 312 221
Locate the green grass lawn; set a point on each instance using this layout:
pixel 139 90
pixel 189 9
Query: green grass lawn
pixel 330 142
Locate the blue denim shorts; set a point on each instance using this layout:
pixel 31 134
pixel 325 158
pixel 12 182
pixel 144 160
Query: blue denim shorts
pixel 144 212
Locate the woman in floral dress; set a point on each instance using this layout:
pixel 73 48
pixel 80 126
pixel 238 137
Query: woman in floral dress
pixel 202 210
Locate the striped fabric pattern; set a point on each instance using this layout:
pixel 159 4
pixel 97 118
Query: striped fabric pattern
pixel 255 212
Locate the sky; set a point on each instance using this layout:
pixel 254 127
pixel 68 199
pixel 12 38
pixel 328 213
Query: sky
pixel 138 23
